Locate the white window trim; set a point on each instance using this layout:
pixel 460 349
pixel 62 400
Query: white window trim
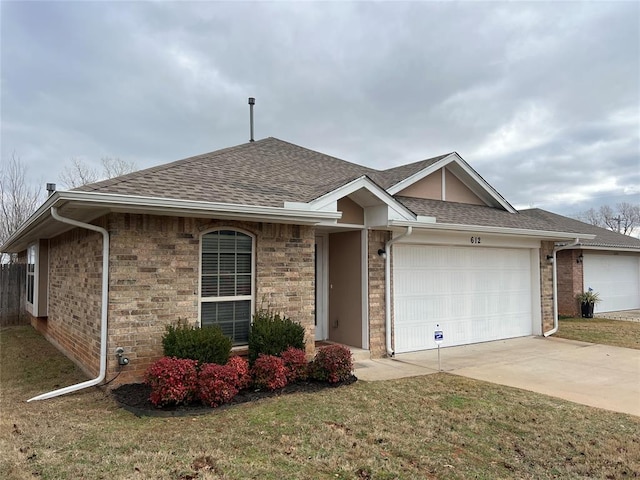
pixel 39 306
pixel 31 306
pixel 251 297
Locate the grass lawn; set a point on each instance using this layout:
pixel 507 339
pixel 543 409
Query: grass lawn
pixel 437 426
pixel 618 333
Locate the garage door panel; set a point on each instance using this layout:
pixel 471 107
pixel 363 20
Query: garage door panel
pixel 474 294
pixel 616 278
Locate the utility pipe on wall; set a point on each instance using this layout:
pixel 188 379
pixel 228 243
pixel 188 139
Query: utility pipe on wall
pixel 555 286
pixel 103 320
pixel 387 288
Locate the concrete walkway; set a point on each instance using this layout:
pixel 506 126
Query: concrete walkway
pixel 626 315
pixel 595 375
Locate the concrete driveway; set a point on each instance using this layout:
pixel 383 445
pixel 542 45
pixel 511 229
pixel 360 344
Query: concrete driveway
pixel 596 375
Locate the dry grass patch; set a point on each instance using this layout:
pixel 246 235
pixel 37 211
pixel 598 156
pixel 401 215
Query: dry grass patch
pixel 438 426
pixel 617 333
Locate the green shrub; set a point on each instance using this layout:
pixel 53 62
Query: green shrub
pixel 272 334
pixel 206 345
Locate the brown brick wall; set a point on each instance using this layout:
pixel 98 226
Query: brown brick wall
pixel 75 289
pixel 546 286
pixel 377 341
pixel 569 282
pixel 154 279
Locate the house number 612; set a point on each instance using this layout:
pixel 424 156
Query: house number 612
pixel 475 240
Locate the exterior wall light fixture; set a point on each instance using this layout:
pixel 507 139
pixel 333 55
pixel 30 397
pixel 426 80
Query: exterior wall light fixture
pixel 382 253
pixel 580 258
pixel 550 258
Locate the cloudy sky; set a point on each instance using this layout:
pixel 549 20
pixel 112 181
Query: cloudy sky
pixel 542 99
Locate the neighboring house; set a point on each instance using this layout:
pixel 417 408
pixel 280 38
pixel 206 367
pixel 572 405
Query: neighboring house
pixel 375 260
pixel 609 264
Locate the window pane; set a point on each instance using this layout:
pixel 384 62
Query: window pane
pixel 243 263
pixel 243 285
pixel 210 242
pixel 243 243
pixel 233 318
pixel 227 263
pixel 227 286
pixel 30 289
pixel 210 286
pixel 209 263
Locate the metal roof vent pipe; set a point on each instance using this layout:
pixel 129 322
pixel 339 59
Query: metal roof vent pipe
pixel 252 102
pixel 51 188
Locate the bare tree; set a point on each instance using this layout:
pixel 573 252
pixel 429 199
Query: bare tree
pixel 79 173
pixel 18 200
pixel 115 167
pixel 625 218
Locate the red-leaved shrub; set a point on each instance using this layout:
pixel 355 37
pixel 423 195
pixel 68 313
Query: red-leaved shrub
pixel 241 367
pixel 173 381
pixel 295 362
pixel 269 372
pixel 332 364
pixel 217 384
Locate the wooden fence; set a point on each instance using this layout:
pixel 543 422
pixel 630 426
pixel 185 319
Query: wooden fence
pixel 12 293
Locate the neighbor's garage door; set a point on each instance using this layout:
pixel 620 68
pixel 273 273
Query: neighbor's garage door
pixel 616 278
pixel 475 294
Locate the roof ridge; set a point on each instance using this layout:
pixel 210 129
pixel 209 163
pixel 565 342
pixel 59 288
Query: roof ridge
pixel 408 165
pixel 325 155
pixel 166 166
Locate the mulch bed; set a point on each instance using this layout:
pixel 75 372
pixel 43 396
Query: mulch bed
pixel 134 397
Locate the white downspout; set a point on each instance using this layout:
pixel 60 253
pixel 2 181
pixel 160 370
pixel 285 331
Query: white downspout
pixel 387 288
pixel 103 320
pixel 555 286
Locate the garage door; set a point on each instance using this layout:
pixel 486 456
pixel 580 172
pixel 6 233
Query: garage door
pixel 475 294
pixel 616 278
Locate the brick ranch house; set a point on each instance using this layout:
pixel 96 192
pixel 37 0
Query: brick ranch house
pixel 371 259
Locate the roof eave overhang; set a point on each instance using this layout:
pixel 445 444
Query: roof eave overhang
pixel 104 202
pixel 521 232
pixel 606 248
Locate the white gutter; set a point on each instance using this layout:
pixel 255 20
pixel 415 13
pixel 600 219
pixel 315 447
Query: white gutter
pixel 387 288
pixel 166 206
pixel 103 320
pixel 576 242
pixel 489 229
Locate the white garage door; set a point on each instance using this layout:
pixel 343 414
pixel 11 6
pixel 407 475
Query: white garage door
pixel 616 278
pixel 475 294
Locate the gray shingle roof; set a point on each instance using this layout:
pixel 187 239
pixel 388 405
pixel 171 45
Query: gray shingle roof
pixel 604 237
pixel 270 172
pixel 388 178
pixel 466 214
pixel 267 172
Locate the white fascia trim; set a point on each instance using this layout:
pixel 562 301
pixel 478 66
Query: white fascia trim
pixel 168 206
pixel 488 229
pixel 44 209
pixel 453 158
pixel 605 249
pixel 190 206
pixel 329 199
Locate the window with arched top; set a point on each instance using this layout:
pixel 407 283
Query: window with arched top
pixel 227 282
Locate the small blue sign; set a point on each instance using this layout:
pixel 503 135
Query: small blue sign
pixel 438 336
